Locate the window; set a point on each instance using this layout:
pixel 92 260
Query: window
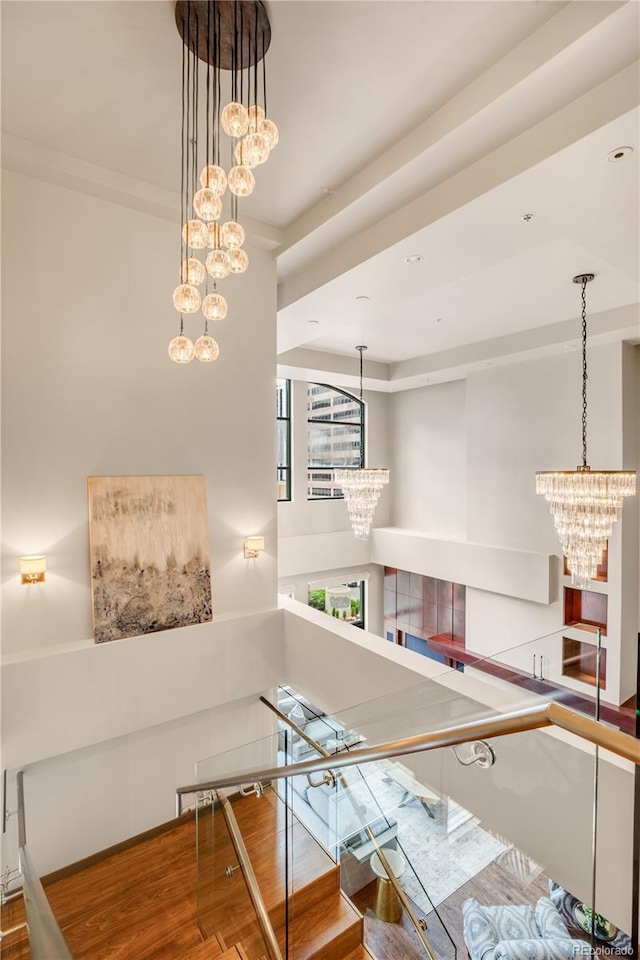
pixel 335 438
pixel 345 601
pixel 283 414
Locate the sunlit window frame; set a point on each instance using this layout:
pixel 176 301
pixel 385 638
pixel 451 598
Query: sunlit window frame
pixel 339 423
pixel 285 468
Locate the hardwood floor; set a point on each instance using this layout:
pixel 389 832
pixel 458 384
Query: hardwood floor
pixel 398 941
pixel 387 941
pixel 16 946
pixel 140 901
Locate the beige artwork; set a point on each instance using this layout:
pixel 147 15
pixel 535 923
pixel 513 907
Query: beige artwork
pixel 149 547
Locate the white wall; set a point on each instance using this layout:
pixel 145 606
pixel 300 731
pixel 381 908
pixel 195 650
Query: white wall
pixel 108 792
pixel 108 731
pixel 88 694
pixel 429 457
pixel 463 466
pixel 523 418
pixel 630 547
pixel 526 417
pixel 88 389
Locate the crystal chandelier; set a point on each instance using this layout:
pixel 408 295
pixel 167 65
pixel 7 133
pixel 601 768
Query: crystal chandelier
pixel 361 486
pixel 223 92
pixel 585 502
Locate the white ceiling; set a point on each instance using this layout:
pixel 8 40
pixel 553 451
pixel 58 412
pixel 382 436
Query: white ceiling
pixel 485 272
pixel 100 81
pixel 427 127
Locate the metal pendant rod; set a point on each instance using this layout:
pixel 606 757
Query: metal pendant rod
pixel 584 279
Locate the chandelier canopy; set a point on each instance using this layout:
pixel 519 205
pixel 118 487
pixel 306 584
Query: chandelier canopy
pixel 585 503
pixel 361 486
pixel 226 134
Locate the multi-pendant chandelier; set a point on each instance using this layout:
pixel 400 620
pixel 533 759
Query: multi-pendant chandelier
pixel 361 486
pixel 226 134
pixel 585 503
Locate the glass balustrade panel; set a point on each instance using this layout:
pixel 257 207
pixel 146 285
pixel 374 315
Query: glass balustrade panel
pixel 526 822
pixel 568 666
pixel 226 910
pixel 519 832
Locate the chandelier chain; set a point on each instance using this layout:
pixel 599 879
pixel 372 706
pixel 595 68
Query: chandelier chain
pixel 361 349
pixel 584 373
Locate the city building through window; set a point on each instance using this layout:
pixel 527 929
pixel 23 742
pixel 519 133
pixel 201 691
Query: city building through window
pixel 335 438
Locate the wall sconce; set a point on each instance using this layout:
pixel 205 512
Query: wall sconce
pixel 32 569
pixel 253 546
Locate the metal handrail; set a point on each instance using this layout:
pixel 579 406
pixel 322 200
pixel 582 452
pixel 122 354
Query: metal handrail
pixel 518 721
pixel 262 915
pixel 419 928
pixel 46 939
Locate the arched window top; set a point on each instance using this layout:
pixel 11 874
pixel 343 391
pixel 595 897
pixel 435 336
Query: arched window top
pixel 335 437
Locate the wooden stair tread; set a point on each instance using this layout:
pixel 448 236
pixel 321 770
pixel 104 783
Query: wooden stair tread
pixel 259 816
pixel 327 930
pixel 313 875
pixel 211 950
pixel 208 950
pixel 360 953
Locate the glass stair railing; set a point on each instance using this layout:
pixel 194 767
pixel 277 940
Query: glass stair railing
pixel 397 860
pixel 296 881
pixel 34 913
pixel 363 834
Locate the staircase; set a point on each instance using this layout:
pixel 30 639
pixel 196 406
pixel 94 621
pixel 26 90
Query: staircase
pixel 323 923
pixel 138 899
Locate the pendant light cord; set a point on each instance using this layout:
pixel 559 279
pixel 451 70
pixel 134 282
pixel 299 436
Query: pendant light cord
pixel 584 373
pixel 361 351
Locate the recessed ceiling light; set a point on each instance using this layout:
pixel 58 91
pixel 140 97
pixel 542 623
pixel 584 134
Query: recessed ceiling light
pixel 620 153
pixel 363 297
pixel 527 217
pixel 414 258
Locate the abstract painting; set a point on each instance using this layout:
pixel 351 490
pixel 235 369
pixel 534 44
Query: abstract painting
pixel 149 547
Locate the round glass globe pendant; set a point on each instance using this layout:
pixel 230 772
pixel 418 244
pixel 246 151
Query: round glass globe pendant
pixel 181 349
pixel 206 349
pixel 214 307
pixel 225 37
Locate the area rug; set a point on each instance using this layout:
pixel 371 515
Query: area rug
pixel 443 852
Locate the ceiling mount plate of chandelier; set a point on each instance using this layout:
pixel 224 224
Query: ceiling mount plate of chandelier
pixel 585 503
pixel 226 133
pixel 361 486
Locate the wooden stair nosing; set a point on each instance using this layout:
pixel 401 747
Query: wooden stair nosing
pixel 360 953
pixel 209 949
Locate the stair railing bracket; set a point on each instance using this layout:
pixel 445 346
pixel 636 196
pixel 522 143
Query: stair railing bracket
pixel 481 753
